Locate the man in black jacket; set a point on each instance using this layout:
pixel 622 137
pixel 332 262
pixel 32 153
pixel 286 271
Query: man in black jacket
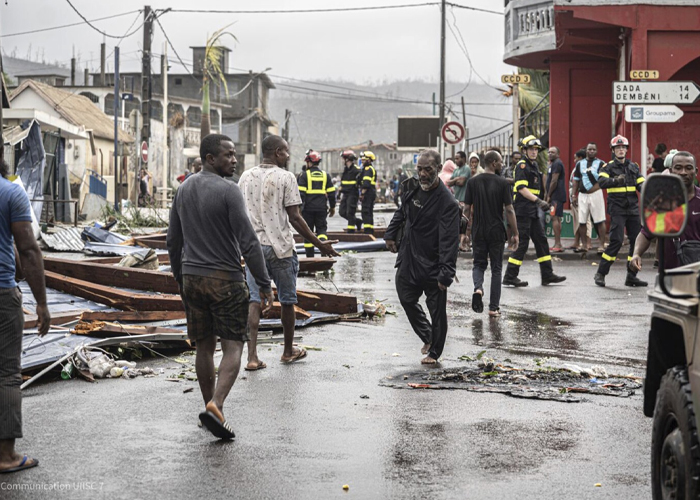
pixel 427 259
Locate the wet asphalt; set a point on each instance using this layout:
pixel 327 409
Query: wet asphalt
pixel 305 430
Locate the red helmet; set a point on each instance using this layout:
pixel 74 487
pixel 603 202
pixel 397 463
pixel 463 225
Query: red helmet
pixel 313 157
pixel 619 140
pixel 348 154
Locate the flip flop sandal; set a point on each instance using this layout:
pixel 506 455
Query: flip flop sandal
pixel 477 303
pixel 22 465
pixel 495 314
pixel 300 355
pixel 259 366
pixel 212 423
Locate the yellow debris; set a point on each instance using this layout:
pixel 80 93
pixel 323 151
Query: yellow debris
pixel 598 485
pixel 346 487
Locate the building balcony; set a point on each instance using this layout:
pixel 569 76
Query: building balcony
pixel 529 29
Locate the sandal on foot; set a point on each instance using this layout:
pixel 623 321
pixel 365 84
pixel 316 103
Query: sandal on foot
pixel 26 463
pixel 300 354
pixel 259 366
pixel 214 425
pixel 477 302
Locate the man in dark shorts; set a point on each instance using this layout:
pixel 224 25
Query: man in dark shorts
pixel 490 195
pixel 556 195
pixel 209 232
pixel 19 254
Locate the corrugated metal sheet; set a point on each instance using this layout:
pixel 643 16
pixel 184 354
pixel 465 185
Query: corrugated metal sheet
pixel 66 240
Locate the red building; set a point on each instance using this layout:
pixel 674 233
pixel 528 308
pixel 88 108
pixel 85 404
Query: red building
pixel 587 45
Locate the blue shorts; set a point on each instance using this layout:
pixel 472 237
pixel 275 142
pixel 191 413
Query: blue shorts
pixel 283 273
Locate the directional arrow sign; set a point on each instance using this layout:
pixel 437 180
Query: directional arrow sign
pixel 655 92
pixel 652 114
pixel 452 132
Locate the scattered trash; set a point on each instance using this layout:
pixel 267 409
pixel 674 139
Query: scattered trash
pixel 346 487
pixel 396 355
pixel 598 485
pixel 364 396
pixel 189 389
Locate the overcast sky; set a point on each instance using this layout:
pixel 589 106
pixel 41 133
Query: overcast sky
pixel 365 47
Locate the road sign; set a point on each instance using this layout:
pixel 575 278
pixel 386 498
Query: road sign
pixel 644 74
pixel 652 114
pixel 655 92
pixel 525 79
pixel 144 152
pixel 127 96
pixel 452 132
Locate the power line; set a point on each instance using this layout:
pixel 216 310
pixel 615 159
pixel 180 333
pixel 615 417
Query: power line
pixel 473 8
pixel 41 30
pixel 304 11
pixel 175 51
pixel 86 21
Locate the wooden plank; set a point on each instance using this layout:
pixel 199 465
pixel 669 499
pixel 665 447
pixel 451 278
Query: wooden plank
pixel 102 329
pixel 152 243
pixel 31 320
pixel 113 297
pixel 140 279
pixel 105 274
pixel 378 232
pixel 342 237
pixel 163 260
pixel 131 315
pixel 276 312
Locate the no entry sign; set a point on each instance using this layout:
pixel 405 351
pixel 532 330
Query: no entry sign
pixel 452 132
pixel 144 152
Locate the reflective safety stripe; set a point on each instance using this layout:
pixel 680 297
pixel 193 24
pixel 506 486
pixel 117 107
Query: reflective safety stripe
pixel 519 183
pixel 624 189
pixel 330 189
pixel 308 245
pixel 511 260
pixel 370 226
pixel 629 258
pixel 534 191
pixel 640 180
pixel 302 189
pixel 603 174
pixel 350 227
pixel 348 183
pixel 544 259
pixel 322 237
pixel 609 258
pixel 317 176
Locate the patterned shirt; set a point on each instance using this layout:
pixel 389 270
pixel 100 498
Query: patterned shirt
pixel 268 190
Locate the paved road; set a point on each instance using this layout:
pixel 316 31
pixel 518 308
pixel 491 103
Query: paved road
pixel 304 431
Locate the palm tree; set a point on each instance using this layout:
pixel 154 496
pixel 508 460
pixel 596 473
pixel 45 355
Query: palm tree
pixel 535 95
pixel 212 72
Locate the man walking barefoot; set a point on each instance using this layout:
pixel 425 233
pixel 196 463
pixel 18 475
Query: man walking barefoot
pixel 208 234
pixel 427 259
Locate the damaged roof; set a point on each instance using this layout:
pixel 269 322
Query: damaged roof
pixel 75 109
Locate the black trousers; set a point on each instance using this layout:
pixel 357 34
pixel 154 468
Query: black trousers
pixel 433 332
pixel 368 210
pixel 485 251
pixel 348 210
pixel 530 228
pixel 318 223
pixel 618 223
pixel 11 324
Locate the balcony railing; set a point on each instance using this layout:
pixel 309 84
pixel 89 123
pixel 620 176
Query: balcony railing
pixel 529 26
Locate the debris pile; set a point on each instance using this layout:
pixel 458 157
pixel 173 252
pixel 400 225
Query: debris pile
pixel 546 383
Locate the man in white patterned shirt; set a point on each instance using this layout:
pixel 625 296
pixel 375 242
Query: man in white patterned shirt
pixel 273 201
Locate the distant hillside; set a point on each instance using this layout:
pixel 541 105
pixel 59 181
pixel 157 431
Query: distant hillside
pixel 326 115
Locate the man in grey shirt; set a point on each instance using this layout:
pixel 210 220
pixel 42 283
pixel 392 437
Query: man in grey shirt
pixel 209 230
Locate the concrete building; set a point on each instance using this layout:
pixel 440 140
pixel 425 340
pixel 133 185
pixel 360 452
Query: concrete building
pixel 86 145
pixel 243 103
pixel 587 45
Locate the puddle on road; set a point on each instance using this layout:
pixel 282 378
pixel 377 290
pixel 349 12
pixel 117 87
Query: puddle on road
pixel 516 447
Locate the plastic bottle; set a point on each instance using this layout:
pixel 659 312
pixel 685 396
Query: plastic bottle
pixel 552 210
pixel 67 371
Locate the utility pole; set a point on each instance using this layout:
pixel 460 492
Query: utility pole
pixel 464 123
pixel 443 14
pixel 516 116
pixel 164 76
pixel 117 170
pixel 2 100
pixel 103 57
pixel 146 74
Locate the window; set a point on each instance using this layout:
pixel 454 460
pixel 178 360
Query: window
pixel 178 81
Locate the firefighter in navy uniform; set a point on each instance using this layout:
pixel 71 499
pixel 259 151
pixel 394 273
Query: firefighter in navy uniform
pixel 528 191
pixel 349 191
pixel 368 185
pixel 317 195
pixel 621 178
